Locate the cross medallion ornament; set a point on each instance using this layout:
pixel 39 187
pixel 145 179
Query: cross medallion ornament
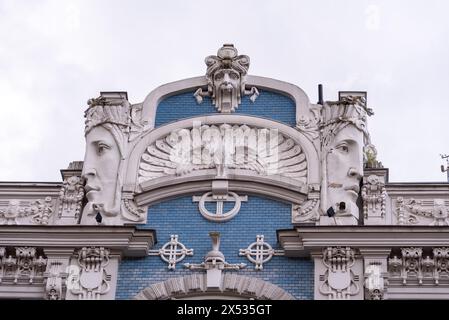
pixel 172 252
pixel 219 215
pixel 260 252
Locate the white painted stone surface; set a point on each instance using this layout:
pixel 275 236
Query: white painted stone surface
pixel 325 162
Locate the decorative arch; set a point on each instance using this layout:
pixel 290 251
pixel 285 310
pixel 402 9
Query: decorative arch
pixel 281 187
pixel 151 102
pixel 233 286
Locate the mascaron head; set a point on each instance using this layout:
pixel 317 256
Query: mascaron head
pixel 226 73
pixel 344 137
pixel 107 131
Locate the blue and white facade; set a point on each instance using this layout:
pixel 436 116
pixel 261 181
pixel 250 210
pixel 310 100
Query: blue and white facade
pixel 225 186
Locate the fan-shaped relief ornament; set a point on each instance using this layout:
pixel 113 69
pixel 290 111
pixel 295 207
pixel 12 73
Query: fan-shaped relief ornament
pixel 224 147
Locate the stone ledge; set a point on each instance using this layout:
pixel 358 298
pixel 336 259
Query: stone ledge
pixel 128 241
pixel 301 241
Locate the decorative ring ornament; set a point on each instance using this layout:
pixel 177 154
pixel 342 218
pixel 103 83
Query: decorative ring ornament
pixel 219 215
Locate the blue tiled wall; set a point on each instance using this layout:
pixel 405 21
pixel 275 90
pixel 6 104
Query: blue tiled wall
pixel 268 105
pixel 181 216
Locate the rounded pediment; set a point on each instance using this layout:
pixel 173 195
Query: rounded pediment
pixel 254 155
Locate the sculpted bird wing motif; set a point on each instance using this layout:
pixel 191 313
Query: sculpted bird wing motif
pixel 264 151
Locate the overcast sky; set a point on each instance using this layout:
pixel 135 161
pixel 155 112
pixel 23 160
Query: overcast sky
pixel 55 55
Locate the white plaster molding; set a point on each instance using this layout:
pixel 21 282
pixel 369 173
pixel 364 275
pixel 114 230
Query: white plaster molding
pixel 152 136
pixel 55 282
pixel 374 195
pixel 434 212
pixel 47 282
pixel 308 211
pixel 29 190
pixel 375 244
pixel 70 200
pixel 340 280
pixel 433 190
pixel 127 240
pixel 21 265
pixel 375 272
pixel 309 125
pixel 417 292
pixel 153 99
pixel 24 212
pixel 167 188
pixel 74 169
pixel 374 281
pixel 232 285
pixel 260 252
pixel 415 267
pixel 57 272
pixel 131 211
pixel 94 281
pixel 172 252
pixel 224 147
pixel 304 239
pixel 20 201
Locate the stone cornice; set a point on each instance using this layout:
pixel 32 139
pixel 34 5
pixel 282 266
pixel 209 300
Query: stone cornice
pixel 305 239
pixel 17 189
pixel 418 188
pixel 129 241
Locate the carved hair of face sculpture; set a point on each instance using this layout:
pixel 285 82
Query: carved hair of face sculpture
pixel 344 170
pixel 101 172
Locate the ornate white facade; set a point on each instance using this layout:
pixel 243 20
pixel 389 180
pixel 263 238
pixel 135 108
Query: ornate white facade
pixel 367 238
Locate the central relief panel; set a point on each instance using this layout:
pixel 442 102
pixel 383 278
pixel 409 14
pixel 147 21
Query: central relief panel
pixel 227 149
pixel 220 159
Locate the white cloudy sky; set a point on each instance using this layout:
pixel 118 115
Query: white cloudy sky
pixel 56 54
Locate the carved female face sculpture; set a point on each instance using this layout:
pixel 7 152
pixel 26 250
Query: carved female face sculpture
pixel 344 170
pixel 100 171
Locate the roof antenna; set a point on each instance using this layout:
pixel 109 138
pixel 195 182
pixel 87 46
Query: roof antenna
pixel 320 94
pixel 445 156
